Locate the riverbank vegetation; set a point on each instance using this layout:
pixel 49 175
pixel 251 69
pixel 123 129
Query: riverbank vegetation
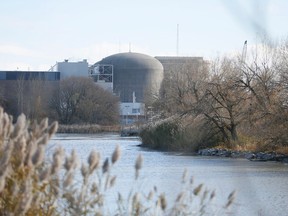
pixel 34 183
pixel 236 102
pixel 88 128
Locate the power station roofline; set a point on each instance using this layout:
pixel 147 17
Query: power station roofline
pixel 179 57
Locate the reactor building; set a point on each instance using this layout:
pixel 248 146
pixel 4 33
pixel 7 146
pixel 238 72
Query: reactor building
pixel 134 77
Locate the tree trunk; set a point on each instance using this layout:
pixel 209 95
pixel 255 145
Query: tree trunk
pixel 233 132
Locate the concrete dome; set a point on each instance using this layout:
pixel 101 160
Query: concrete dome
pixel 134 72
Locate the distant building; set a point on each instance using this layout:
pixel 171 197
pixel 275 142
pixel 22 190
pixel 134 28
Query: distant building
pixel 68 69
pixel 27 92
pixel 29 75
pixel 178 63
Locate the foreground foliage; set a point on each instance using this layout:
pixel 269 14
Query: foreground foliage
pixel 32 184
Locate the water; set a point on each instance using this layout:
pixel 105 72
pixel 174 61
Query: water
pixel 262 187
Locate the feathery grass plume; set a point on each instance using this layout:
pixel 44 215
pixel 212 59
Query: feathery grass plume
pixel 94 188
pixel 197 190
pixel 2 183
pixel 112 181
pixel 150 195
pixel 136 205
pixel 231 199
pixel 19 151
pixel 138 165
pixel 71 162
pixel 4 165
pixel 184 176
pixel 93 161
pixel 57 160
pixel 6 126
pixel 25 198
pixel 191 180
pixel 53 128
pixel 5 158
pixel 163 202
pixel 43 124
pixel 43 140
pixel 105 166
pixel 212 195
pixel 38 157
pixel 204 196
pixel 19 127
pixel 180 196
pixel 44 174
pixel 68 180
pixel 84 171
pixel 31 148
pixel 116 154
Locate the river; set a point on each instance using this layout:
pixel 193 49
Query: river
pixel 261 187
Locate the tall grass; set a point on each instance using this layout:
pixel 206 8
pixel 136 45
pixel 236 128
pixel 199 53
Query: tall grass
pixel 32 184
pixel 88 128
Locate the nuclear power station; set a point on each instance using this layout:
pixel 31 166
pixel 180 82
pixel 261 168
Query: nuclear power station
pixel 133 77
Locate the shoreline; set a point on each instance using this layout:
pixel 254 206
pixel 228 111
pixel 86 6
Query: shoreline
pixel 249 155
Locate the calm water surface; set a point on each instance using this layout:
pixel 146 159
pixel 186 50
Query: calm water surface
pixel 262 187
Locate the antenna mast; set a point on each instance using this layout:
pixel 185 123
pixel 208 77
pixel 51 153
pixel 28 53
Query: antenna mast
pixel 177 43
pixel 244 51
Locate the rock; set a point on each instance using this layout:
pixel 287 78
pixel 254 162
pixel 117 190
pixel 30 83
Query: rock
pixel 252 156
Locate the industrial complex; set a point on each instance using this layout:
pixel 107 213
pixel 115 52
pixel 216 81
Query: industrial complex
pixel 133 77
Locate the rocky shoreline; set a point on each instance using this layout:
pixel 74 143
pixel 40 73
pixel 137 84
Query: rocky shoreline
pixel 252 156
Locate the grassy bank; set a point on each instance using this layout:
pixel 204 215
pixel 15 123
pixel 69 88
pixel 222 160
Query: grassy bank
pixel 172 135
pixel 88 128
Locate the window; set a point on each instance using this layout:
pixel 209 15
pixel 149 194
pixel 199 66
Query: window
pixel 2 75
pixel 135 110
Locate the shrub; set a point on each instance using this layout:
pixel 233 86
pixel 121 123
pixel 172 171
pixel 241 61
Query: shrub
pixel 162 136
pixel 178 135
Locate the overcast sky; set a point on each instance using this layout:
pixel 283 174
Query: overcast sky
pixel 35 34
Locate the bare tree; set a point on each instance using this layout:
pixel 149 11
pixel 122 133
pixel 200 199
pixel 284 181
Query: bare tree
pixel 225 103
pixel 20 86
pixel 183 87
pixel 79 99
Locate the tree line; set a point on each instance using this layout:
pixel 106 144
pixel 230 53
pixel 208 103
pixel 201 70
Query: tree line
pixel 74 100
pixel 233 101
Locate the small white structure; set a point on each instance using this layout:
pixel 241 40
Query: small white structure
pixel 132 112
pixel 68 69
pixel 132 109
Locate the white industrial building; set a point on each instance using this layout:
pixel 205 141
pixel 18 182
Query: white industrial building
pixel 67 68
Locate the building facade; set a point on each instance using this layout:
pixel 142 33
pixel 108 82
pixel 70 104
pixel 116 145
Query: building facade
pixel 68 69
